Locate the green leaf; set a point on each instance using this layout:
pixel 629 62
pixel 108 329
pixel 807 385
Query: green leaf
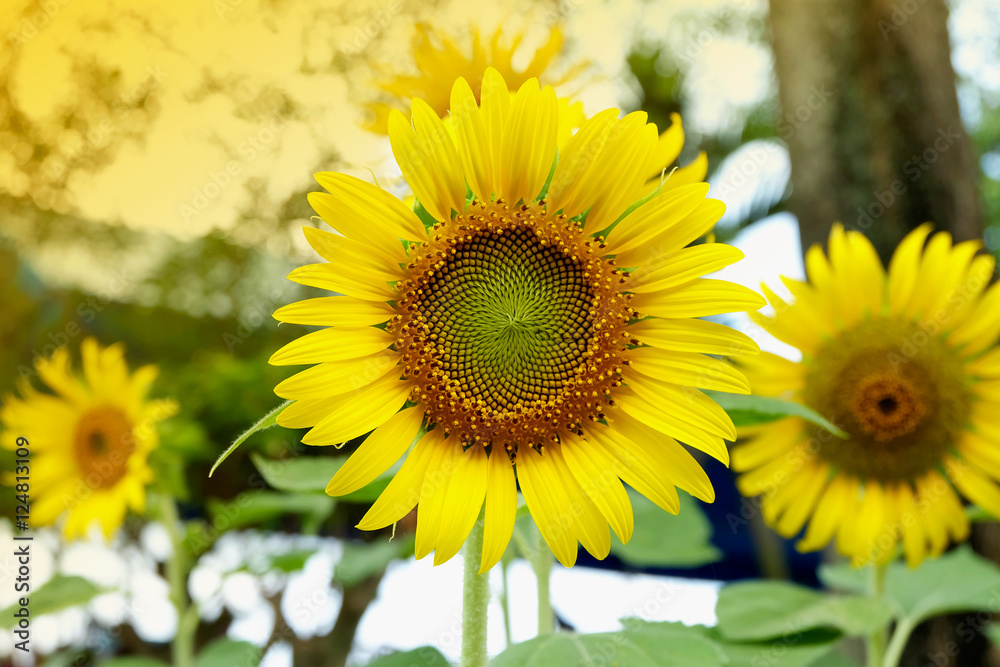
pixel 749 410
pixel 312 474
pixel 56 594
pixel 661 539
pixel 958 581
pixel 132 662
pixel 992 632
pixel 364 559
pixel 229 653
pixel 802 649
pixel 425 656
pixel 264 423
pixel 254 507
pixel 638 645
pixel 293 561
pixel 758 610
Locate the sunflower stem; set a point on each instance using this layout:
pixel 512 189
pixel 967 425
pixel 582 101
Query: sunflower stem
pixel 899 638
pixel 541 563
pixel 877 640
pixel 475 601
pixel 182 647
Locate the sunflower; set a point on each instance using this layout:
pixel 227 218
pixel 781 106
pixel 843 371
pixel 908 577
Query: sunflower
pixel 905 363
pixel 541 330
pixel 441 58
pixel 89 440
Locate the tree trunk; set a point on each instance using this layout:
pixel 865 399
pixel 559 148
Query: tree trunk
pixel 870 115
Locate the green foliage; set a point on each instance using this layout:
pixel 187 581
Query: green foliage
pixel 759 610
pixel 229 653
pixel 265 422
pixel 661 539
pixel 255 507
pixel 57 593
pixel 654 644
pixel 132 662
pixel 958 581
pixel 749 410
pixel 312 474
pixel 364 559
pixel 425 656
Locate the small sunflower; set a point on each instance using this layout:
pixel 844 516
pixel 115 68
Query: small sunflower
pixel 518 332
pixel 906 364
pixel 89 440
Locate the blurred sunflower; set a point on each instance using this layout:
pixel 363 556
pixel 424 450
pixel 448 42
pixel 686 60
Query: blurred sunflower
pixel 506 337
pixel 89 440
pixel 906 364
pixel 440 59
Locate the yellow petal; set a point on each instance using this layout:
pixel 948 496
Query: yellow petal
pixel 501 508
pixel 403 492
pixel 829 513
pixel 332 311
pixel 685 368
pixel 548 501
pixel 332 345
pixel 686 403
pixel 359 256
pixel 772 441
pixel 428 159
pixel 463 501
pixel 595 470
pixel 568 190
pixel 682 267
pixel 699 298
pixel 668 147
pixel 360 412
pixel 658 216
pixel 663 419
pixel 333 378
pixel 378 452
pixel 632 463
pixel 686 335
pixel 471 140
pixel 494 109
pixel 353 282
pixel 529 142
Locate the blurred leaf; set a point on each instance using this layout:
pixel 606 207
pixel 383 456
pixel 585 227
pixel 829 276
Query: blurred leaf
pixel 313 474
pixel 56 594
pixel 835 659
pixel 228 653
pixel 425 656
pixel 253 507
pixel 265 422
pixel 293 561
pixel 749 410
pixel 640 644
pixel 758 610
pixel 364 559
pixel 661 539
pixel 992 632
pixel 130 662
pixel 960 580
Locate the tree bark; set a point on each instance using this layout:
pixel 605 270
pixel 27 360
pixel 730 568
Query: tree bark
pixel 870 115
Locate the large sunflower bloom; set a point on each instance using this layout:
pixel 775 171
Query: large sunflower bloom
pixel 511 340
pixel 89 440
pixel 905 363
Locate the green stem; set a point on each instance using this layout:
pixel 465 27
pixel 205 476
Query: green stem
pixel 541 562
pixel 505 599
pixel 876 641
pixel 475 601
pixel 177 571
pixel 899 638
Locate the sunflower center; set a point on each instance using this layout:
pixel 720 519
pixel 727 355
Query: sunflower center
pixel 511 326
pixel 104 442
pixel 898 392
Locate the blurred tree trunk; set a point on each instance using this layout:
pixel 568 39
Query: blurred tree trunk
pixel 870 115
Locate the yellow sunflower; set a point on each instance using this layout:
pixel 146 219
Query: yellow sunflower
pixel 440 59
pixel 906 364
pixel 89 440
pixel 544 339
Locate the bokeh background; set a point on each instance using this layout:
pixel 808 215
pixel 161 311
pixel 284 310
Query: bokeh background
pixel 154 162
